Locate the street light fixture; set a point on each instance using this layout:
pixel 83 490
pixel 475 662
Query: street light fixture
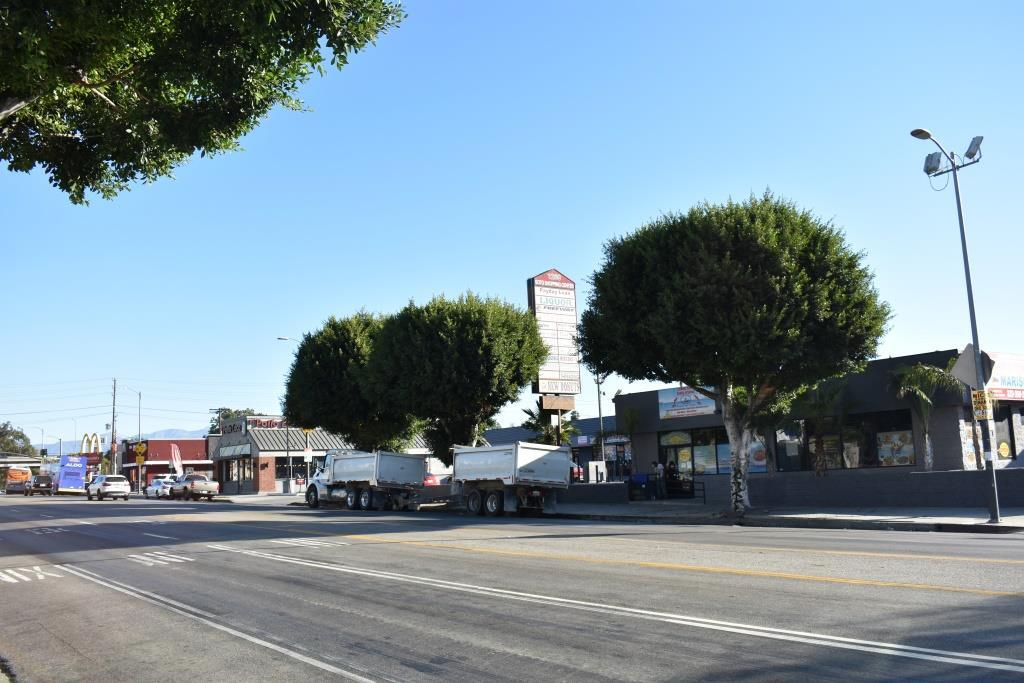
pixel 974 154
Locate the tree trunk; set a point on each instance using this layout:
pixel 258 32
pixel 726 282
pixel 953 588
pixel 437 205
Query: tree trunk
pixel 740 436
pixel 820 464
pixel 10 105
pixel 929 455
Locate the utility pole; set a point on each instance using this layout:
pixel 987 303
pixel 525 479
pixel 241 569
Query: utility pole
pixel 113 431
pixel 600 416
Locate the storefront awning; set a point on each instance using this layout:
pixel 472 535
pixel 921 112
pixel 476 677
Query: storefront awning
pixel 233 451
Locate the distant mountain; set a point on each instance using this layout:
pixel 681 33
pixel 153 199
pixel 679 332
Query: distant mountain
pixel 75 446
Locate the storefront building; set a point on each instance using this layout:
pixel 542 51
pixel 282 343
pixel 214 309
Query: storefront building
pixel 864 429
pixel 156 458
pixel 262 454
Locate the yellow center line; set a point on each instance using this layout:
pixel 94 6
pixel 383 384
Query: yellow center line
pixel 822 551
pixel 690 567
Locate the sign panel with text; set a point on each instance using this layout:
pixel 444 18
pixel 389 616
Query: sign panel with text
pixel 552 299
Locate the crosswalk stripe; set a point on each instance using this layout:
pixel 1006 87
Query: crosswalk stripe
pixel 175 558
pixel 14 573
pixel 148 561
pixel 4 577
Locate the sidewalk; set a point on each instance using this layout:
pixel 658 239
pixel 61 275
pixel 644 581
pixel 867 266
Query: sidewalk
pixel 891 518
pixel 263 498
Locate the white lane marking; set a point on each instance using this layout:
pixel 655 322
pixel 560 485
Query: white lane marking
pixel 185 611
pixel 876 647
pixel 41 574
pixel 173 558
pixel 170 538
pixel 148 561
pixel 42 515
pixel 81 521
pixel 17 575
pixel 5 578
pixel 309 542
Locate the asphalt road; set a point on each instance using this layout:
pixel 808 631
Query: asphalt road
pixel 149 590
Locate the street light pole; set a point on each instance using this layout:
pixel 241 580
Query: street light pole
pixel 993 491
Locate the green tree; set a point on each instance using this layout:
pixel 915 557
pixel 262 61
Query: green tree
pixel 455 363
pixel 752 301
pixel 225 414
pixel 920 383
pixel 327 386
pixel 14 440
pixel 101 93
pixel 539 422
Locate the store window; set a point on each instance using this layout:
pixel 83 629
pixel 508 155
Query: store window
pixel 884 439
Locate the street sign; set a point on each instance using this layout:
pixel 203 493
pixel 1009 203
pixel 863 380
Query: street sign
pixel 139 459
pixel 982 405
pixel 140 448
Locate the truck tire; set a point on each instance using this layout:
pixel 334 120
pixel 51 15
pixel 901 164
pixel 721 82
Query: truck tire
pixel 351 498
pixel 494 503
pixel 366 499
pixel 312 498
pixel 475 502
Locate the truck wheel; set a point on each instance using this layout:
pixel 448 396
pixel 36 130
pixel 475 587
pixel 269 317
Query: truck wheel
pixel 475 503
pixel 351 498
pixel 494 504
pixel 312 498
pixel 366 499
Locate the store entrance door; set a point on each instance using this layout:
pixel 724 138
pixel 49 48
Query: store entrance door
pixel 678 478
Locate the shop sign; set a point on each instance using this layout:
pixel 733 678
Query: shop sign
pixel 982 405
pixel 616 438
pixel 675 439
pixel 683 401
pixel 552 300
pixel 1007 380
pixel 265 422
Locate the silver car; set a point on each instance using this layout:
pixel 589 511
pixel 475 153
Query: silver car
pixel 108 486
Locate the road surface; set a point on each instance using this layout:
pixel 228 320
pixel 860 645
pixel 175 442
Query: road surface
pixel 151 590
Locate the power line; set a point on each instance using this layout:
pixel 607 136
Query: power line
pixel 57 410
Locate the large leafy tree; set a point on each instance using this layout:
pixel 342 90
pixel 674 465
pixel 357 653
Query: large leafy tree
pixel 327 386
pixel 749 301
pixel 920 383
pixel 454 363
pixel 14 440
pixel 100 93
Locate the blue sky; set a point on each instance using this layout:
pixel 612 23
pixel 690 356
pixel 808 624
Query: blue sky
pixel 485 142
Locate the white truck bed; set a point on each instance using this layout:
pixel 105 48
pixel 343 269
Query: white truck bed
pixel 525 463
pixel 380 469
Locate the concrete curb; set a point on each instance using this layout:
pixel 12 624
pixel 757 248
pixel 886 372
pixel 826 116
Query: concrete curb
pixel 799 523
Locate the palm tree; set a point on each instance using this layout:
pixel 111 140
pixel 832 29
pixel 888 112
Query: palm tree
pixel 538 421
pixel 920 383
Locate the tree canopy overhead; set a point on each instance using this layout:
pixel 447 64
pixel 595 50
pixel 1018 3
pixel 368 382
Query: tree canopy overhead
pixel 14 440
pixel 454 363
pixel 749 302
pixel 101 93
pixel 327 386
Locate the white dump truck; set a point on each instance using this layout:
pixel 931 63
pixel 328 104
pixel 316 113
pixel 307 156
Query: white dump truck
pixel 367 481
pixel 492 480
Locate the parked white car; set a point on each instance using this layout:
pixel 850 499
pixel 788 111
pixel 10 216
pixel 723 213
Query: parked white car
pixel 160 487
pixel 108 486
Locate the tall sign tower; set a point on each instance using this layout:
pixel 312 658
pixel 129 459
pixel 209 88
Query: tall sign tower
pixel 552 299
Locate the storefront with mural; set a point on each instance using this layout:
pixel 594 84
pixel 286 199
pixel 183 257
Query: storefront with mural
pixel 862 426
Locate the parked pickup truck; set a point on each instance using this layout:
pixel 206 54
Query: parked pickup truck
pixel 492 480
pixel 194 486
pixel 368 481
